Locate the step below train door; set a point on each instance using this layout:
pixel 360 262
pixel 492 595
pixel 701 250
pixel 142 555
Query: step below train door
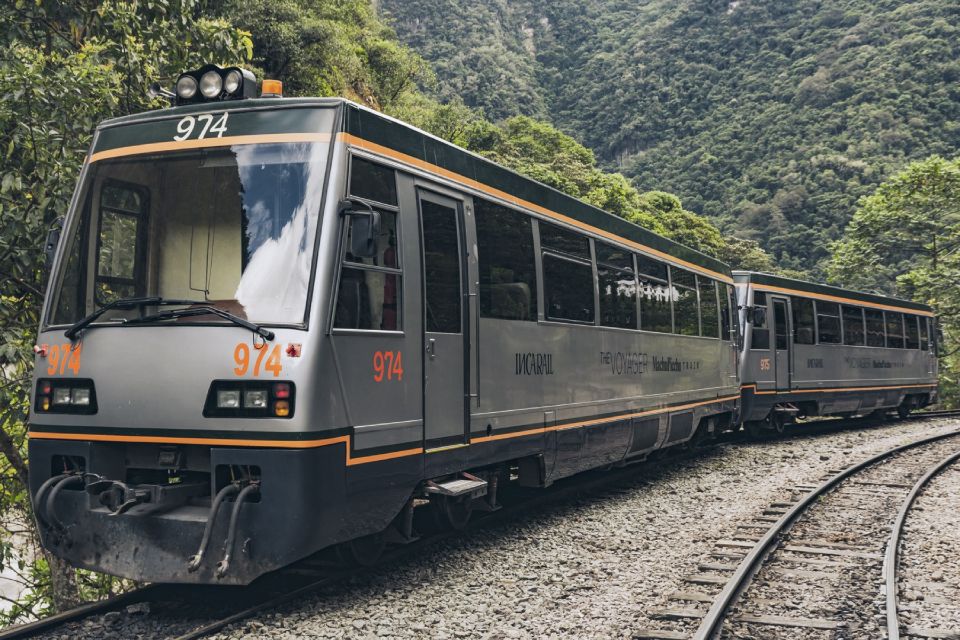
pixel 781 343
pixel 445 377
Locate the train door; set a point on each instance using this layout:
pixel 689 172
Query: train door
pixel 444 335
pixel 781 343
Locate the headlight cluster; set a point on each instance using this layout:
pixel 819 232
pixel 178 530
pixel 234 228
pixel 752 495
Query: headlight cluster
pixel 63 395
pixel 232 399
pixel 210 82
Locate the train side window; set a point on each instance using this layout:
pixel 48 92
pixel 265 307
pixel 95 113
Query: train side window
pixel 123 212
pixel 803 320
pixel 924 333
pixel 508 273
pixel 853 333
pixel 725 292
pixel 655 295
pixel 370 292
pixel 618 287
pixel 709 310
pixel 894 323
pixel 567 275
pixel 912 334
pixel 685 306
pixel 828 323
pixel 760 337
pixel 875 327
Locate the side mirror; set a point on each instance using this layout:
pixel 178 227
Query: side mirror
pixel 759 316
pixel 364 227
pixel 50 246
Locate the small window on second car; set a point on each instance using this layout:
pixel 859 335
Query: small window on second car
pixel 803 321
pixel 618 287
pixel 686 314
pixel 725 292
pixel 911 335
pixel 655 294
pixel 875 329
pixel 828 322
pixel 894 322
pixel 924 334
pixel 709 313
pixel 853 333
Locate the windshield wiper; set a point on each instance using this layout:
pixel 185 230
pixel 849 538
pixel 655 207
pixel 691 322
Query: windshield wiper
pixel 205 310
pixel 122 303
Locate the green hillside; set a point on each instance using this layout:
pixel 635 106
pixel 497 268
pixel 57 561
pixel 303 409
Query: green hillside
pixel 772 118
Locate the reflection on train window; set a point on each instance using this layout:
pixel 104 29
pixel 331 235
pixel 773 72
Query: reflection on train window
pixel 368 299
pixel 924 334
pixel 685 314
pixel 123 209
pixel 567 289
pixel 441 267
pixel 875 332
pixel 828 322
pixel 853 333
pixel 803 322
pixel 709 313
pixel 655 300
pixel 894 324
pixel 911 333
pixel 508 273
pixel 373 181
pixel 618 287
pixel 761 334
pixel 726 291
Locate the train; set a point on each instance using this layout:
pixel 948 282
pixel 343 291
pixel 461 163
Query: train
pixel 279 325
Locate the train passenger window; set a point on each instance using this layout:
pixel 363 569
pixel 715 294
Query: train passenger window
pixel 760 337
pixel 655 295
pixel 508 273
pixel 567 275
pixel 924 334
pixel 726 291
pixel 618 287
pixel 875 332
pixel 372 181
pixel 123 209
pixel 894 324
pixel 853 333
pixel 685 307
pixel 709 311
pixel 370 291
pixel 912 333
pixel 803 320
pixel 828 322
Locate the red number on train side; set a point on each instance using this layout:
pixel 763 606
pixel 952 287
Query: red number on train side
pixel 387 365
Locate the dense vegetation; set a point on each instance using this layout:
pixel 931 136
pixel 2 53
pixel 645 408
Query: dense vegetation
pixel 771 118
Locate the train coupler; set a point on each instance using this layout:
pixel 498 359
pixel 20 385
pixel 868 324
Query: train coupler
pixel 119 497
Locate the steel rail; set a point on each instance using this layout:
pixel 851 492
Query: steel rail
pixel 712 622
pixel 30 629
pixel 891 559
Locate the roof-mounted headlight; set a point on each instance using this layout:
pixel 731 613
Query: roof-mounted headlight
pixel 186 87
pixel 210 82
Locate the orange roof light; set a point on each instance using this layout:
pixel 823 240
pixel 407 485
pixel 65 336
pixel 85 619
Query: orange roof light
pixel 271 89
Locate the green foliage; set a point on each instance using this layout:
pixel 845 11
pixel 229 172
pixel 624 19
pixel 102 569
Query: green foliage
pixel 329 48
pixel 770 118
pixel 904 239
pixel 65 67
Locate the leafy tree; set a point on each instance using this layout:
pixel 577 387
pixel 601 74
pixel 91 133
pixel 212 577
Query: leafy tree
pixel 905 239
pixel 64 67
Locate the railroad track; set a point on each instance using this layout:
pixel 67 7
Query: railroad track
pixel 827 553
pixel 316 572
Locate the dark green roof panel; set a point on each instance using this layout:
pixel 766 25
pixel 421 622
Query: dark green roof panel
pixel 824 289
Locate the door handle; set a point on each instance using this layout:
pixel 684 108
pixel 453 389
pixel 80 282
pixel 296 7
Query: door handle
pixel 432 348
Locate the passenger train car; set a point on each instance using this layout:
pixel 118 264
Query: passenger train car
pixel 276 325
pixel 815 350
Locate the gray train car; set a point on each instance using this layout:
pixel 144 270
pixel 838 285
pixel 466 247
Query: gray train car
pixel 276 325
pixel 816 350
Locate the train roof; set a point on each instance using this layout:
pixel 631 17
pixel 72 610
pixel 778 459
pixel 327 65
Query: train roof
pixel 792 286
pixel 364 125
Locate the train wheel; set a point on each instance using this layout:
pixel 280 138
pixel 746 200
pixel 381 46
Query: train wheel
pixel 362 552
pixel 755 429
pixel 904 410
pixel 450 513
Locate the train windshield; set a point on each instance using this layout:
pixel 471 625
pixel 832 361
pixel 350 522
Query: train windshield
pixel 229 227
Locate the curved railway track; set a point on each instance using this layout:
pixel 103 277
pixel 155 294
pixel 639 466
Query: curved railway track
pixel 319 571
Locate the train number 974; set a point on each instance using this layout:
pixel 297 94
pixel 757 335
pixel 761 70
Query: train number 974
pixel 387 365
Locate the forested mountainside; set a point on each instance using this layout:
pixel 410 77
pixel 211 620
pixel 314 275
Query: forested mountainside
pixel 772 118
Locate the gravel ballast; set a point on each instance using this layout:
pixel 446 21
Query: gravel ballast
pixel 589 568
